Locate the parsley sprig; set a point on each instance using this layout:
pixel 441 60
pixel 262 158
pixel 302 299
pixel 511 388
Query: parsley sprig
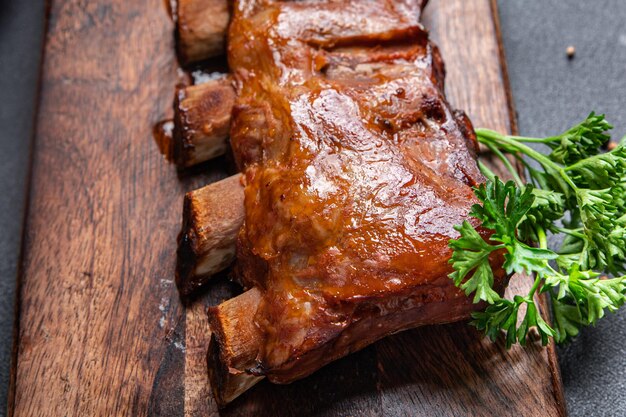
pixel 576 191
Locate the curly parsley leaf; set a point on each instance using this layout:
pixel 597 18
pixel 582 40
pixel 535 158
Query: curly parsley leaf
pixel 503 205
pixel 576 191
pixel 471 254
pixel 498 317
pixel 567 319
pixel 600 171
pixel 580 141
pixel 547 208
pixel 594 295
pixel 503 208
pixel 533 318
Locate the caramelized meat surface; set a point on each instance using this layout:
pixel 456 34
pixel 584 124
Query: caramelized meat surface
pixel 356 172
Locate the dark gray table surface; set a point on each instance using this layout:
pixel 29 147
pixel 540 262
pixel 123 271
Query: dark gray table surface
pixel 21 27
pixel 550 92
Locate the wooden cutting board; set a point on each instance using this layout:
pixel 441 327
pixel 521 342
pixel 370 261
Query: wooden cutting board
pixel 101 329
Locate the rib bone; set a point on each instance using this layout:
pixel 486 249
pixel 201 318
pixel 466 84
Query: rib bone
pixel 201 29
pixel 202 121
pixel 234 345
pixel 236 340
pixel 212 217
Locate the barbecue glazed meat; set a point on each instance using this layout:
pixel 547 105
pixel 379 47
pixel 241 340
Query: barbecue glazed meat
pixel 356 171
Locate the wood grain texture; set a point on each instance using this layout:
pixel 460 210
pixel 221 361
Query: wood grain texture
pixel 100 323
pixel 101 327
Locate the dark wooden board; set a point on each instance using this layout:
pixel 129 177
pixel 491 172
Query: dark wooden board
pixel 101 329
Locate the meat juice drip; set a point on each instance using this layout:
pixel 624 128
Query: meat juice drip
pixel 163 133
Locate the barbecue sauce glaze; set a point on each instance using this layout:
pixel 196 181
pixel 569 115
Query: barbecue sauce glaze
pixel 356 172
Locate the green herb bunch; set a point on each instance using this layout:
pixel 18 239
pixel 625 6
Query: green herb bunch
pixel 576 191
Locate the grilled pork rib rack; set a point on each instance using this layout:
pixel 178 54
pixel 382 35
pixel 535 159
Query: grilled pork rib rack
pixel 354 172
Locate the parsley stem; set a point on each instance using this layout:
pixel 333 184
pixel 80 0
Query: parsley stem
pixel 536 140
pixel 486 171
pixel 533 290
pixel 531 171
pixel 567 179
pixel 507 164
pixel 543 240
pixel 569 232
pixel 543 244
pixel 511 144
pixel 486 136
